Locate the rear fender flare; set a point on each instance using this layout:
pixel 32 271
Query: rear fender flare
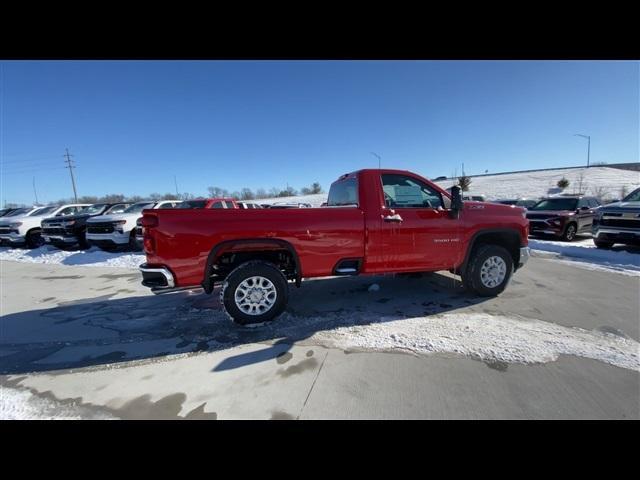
pixel 207 285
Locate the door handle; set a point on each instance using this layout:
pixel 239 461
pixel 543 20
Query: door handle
pixel 392 218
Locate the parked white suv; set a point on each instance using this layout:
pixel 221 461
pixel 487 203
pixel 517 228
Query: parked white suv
pixel 112 231
pixel 25 229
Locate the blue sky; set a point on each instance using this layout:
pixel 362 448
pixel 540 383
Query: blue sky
pixel 133 125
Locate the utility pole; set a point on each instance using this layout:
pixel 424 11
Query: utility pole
pixel 379 159
pixel 588 137
pixel 176 183
pixel 34 190
pixel 71 166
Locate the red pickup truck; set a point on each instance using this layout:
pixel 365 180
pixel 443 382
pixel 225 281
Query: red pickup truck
pixel 375 222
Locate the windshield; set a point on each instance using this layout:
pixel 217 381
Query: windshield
pixel 43 211
pixel 633 196
pixel 556 204
pixel 138 207
pixel 92 209
pixel 20 211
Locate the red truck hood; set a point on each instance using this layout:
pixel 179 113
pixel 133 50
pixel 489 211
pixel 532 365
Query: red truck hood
pixel 496 208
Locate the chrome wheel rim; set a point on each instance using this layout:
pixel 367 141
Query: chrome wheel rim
pixel 493 272
pixel 571 232
pixel 255 295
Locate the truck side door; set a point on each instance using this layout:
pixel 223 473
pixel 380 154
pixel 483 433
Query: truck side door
pixel 585 217
pixel 417 231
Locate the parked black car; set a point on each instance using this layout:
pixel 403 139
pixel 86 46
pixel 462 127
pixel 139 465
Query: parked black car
pixel 618 222
pixel 563 216
pixel 71 230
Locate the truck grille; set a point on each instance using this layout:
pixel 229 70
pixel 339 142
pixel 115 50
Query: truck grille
pixel 5 229
pixel 537 225
pixel 104 227
pixel 620 222
pixel 53 231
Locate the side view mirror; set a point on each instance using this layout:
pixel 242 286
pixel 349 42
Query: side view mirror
pixel 456 202
pixel 584 208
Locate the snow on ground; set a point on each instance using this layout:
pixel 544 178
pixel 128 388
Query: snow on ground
pixel 539 183
pixel 23 405
pixel 583 253
pixel 491 338
pixel 94 257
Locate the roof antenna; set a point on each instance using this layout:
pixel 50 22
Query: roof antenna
pixel 379 159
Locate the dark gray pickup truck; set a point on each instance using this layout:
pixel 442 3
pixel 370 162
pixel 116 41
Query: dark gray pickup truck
pixel 618 222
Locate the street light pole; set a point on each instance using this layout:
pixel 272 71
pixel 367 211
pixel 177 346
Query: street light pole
pixel 379 159
pixel 588 137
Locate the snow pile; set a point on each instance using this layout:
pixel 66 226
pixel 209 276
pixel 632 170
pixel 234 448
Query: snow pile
pixel 485 337
pixel 618 259
pixel 94 257
pixel 22 405
pixel 541 183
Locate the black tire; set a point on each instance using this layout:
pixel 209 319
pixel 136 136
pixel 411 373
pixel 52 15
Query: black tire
pixel 601 244
pixel 34 238
pixel 133 243
pixel 244 272
pixel 472 279
pixel 569 234
pixel 83 243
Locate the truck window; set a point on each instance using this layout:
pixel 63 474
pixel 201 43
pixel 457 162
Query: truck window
pixel 343 192
pixel 229 204
pixel 401 191
pixel 217 205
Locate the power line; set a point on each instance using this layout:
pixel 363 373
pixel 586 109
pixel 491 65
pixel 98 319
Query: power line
pixel 70 166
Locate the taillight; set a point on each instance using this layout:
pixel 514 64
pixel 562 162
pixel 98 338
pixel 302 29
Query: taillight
pixel 149 221
pixel 149 245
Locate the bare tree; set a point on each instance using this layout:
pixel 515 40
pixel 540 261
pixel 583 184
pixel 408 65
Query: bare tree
pixel 247 194
pixel 600 192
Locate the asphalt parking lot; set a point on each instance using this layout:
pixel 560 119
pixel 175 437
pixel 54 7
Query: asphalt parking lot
pixel 91 342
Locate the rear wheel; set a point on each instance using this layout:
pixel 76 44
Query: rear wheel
pixel 601 244
pixel 34 239
pixel 489 270
pixel 569 233
pixel 255 292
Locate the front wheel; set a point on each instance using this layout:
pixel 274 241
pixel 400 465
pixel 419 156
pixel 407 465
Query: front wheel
pixel 489 270
pixel 34 239
pixel 601 244
pixel 570 233
pixel 255 292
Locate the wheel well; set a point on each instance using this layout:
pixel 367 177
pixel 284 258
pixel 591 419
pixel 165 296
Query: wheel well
pixel 508 239
pixel 224 258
